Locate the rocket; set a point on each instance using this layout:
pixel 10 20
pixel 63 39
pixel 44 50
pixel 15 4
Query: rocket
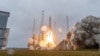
pixel 50 27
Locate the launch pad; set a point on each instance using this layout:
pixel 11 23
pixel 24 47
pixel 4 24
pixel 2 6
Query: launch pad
pixel 82 35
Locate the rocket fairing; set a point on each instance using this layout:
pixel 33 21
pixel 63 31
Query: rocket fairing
pixel 50 25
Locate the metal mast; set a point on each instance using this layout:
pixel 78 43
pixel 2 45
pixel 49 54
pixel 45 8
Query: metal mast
pixel 34 27
pixel 66 31
pixel 42 23
pixel 67 23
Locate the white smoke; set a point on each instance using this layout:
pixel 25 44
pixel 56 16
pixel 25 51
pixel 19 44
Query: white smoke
pixel 33 43
pixel 85 34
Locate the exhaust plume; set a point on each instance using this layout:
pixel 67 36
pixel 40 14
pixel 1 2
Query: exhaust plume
pixel 84 34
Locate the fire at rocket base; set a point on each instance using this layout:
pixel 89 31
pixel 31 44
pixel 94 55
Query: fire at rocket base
pixel 47 42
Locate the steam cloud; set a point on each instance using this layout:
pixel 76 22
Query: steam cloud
pixel 33 43
pixel 84 34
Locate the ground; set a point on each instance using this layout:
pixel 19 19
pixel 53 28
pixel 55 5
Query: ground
pixel 51 53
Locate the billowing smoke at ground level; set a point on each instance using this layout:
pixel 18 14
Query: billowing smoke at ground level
pixel 85 34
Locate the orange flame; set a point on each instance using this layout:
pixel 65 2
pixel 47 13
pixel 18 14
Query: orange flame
pixel 48 42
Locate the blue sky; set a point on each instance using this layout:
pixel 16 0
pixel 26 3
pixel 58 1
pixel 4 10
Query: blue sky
pixel 22 13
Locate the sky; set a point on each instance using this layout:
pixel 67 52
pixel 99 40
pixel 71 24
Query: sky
pixel 22 13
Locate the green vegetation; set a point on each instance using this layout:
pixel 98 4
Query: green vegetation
pixel 51 53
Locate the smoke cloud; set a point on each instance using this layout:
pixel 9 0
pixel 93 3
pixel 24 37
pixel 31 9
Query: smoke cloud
pixel 84 34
